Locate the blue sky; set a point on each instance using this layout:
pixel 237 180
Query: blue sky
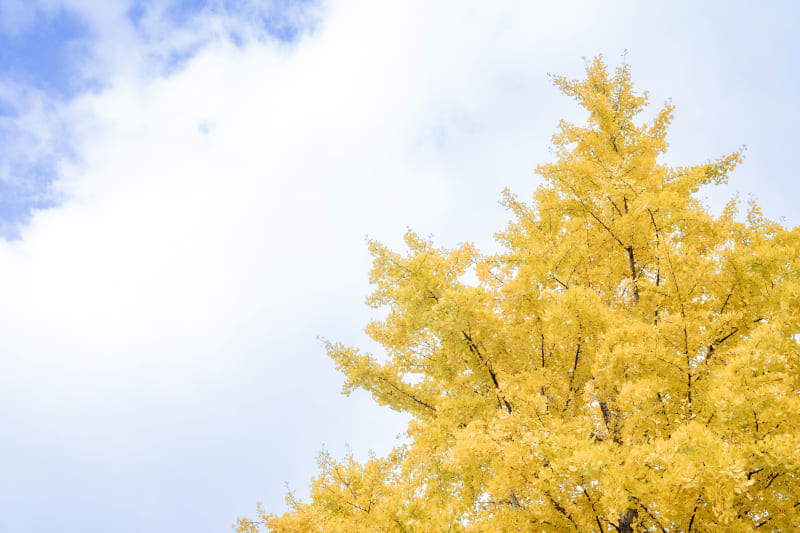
pixel 36 55
pixel 42 52
pixel 185 188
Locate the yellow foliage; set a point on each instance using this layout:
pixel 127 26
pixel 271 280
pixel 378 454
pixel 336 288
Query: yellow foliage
pixel 629 362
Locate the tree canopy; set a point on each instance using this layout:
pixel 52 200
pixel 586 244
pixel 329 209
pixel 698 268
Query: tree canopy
pixel 628 362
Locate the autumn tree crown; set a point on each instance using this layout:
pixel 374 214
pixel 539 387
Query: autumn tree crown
pixel 628 362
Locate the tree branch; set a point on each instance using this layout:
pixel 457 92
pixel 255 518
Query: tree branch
pixel 476 351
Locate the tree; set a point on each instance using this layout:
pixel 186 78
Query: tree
pixel 629 362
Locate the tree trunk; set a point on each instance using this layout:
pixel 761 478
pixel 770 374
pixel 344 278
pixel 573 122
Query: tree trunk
pixel 626 520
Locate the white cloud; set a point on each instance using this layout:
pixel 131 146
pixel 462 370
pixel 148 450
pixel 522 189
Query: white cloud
pixel 213 225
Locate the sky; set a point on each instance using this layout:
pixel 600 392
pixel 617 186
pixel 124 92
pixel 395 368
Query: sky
pixel 186 187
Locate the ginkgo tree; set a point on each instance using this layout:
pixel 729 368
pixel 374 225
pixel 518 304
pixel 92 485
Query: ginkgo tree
pixel 628 362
